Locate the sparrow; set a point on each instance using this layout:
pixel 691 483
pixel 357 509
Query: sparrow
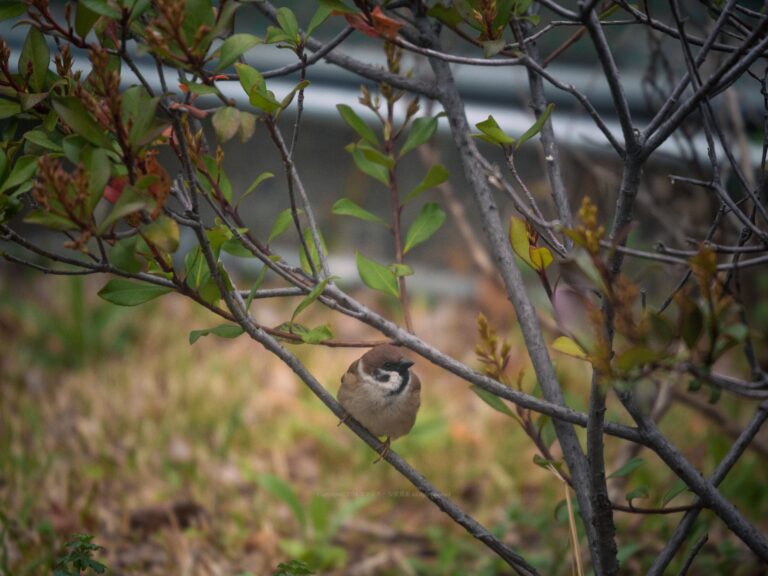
pixel 380 391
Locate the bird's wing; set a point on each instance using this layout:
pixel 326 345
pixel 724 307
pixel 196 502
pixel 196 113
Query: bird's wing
pixel 351 371
pixel 415 383
pixel 348 383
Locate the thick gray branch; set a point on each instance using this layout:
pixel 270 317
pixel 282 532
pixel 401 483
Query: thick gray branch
pixel 513 281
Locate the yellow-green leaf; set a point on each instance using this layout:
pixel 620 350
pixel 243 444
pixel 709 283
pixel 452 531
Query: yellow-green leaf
pixel 568 346
pixel 541 258
pixel 518 237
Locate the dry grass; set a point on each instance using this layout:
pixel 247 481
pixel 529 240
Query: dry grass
pixel 110 448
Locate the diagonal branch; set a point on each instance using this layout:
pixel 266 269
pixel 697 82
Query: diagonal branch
pixel 686 524
pixel 513 281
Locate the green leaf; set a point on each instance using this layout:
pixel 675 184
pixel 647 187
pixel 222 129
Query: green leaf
pixel 247 126
pixel 319 514
pixel 124 292
pixel 35 54
pixel 675 490
pixel 400 270
pixel 9 108
pixel 311 297
pixel 285 102
pixel 123 255
pixel 99 169
pixel 632 465
pixel 284 492
pixel 43 140
pixel 503 11
pixel 625 552
pixel 258 180
pixel 567 346
pixel 437 175
pixel 448 15
pixel 129 202
pixel 222 331
pixel 317 335
pixel 102 8
pixel 493 47
pixel 200 89
pixel 85 18
pixel 429 221
pixel 163 233
pixel 737 332
pixel 224 17
pixel 376 276
pixel 72 111
pixel 263 100
pixel 372 169
pixel 692 325
pixel 635 357
pixel 546 463
pixel 196 269
pixel 320 16
pixel 256 285
pixel 254 85
pixel 421 130
pixel 22 172
pixel 10 10
pixel 137 109
pixel 30 100
pixel 536 128
pixel 49 220
pixel 287 21
pixel 518 238
pixel 281 224
pixel 357 124
pixel 234 47
pixel 310 242
pixel 276 35
pixel 546 430
pixel 226 123
pixel 373 154
pixel 345 207
pixel 493 133
pixel 338 6
pixel 637 493
pixel 493 401
pixel 694 385
pixel 197 13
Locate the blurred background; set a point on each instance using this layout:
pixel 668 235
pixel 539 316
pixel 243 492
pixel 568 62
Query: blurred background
pixel 213 459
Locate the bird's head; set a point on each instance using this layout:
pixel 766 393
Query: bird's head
pixel 388 367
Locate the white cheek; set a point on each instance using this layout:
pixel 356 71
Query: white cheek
pixel 394 381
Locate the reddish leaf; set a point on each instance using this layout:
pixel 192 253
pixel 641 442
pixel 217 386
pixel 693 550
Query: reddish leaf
pixel 387 27
pixel 357 21
pixel 380 25
pixel 114 188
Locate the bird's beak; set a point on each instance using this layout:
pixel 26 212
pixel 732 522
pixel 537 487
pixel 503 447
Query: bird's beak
pixel 406 363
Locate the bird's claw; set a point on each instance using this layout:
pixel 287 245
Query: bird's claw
pixel 384 451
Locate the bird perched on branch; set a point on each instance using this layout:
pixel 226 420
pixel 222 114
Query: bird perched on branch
pixel 380 391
